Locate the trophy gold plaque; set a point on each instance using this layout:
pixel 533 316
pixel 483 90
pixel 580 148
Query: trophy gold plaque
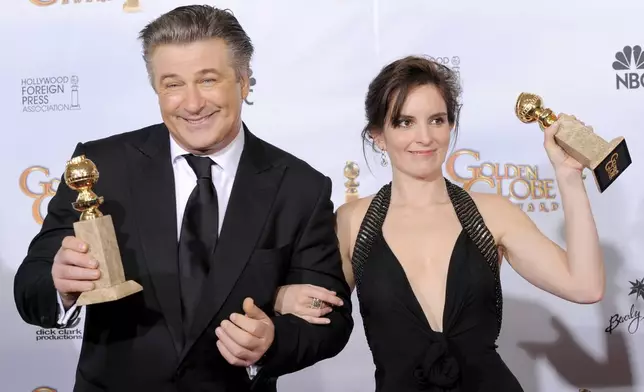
pixel 97 230
pixel 607 160
pixel 131 6
pixel 351 172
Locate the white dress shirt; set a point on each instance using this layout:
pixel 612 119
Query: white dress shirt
pixel 223 176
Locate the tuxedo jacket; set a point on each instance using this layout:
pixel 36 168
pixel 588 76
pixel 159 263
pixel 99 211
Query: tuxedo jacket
pixel 278 230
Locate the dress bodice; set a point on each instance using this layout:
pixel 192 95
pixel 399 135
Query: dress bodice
pixel 408 354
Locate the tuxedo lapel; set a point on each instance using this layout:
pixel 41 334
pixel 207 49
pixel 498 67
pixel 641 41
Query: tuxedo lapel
pixel 255 187
pixel 153 192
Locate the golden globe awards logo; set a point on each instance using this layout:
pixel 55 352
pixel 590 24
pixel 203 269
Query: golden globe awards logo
pixel 128 6
pixel 44 3
pixel 131 6
pixel 42 191
pixel 518 182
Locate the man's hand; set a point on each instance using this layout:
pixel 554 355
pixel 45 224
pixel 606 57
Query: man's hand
pixel 245 338
pixel 73 270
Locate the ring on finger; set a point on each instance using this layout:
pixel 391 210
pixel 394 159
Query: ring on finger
pixel 316 303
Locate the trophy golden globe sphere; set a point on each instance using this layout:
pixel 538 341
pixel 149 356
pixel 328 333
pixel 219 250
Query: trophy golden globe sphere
pixel 351 170
pixel 80 175
pixel 529 108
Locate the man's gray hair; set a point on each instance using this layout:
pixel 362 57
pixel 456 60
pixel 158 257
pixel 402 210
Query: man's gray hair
pixel 193 23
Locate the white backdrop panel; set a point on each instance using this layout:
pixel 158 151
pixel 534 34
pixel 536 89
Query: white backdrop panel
pixel 313 63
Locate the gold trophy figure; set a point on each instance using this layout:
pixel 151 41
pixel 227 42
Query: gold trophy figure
pixel 131 6
pixel 97 230
pixel 607 160
pixel 351 172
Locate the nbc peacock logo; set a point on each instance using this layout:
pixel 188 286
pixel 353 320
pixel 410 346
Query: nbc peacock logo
pixel 629 62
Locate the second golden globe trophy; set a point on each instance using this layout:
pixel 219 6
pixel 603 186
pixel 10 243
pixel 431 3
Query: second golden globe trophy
pixel 607 160
pixel 97 230
pixel 351 172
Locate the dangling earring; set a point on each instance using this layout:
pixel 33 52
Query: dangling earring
pixel 383 159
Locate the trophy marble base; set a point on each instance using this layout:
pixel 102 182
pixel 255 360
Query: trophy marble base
pixel 99 234
pixel 607 160
pixel 108 294
pixel 611 164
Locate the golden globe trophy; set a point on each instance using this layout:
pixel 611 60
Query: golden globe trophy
pixel 351 172
pixel 97 230
pixel 131 6
pixel 607 160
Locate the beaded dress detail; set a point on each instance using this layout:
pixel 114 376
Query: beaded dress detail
pixel 408 354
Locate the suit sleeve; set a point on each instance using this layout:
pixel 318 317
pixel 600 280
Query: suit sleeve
pixel 316 260
pixel 34 291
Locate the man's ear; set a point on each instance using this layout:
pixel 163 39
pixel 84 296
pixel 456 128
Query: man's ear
pixel 244 80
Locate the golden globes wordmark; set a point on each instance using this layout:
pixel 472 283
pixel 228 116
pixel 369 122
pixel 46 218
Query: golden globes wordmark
pixel 128 5
pixel 520 183
pixel 46 190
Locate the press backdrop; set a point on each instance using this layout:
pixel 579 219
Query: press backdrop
pixel 71 71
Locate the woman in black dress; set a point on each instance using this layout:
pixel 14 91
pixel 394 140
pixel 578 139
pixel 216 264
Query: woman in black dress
pixel 424 254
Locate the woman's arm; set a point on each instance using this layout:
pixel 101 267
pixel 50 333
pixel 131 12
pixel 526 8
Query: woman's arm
pixel 576 274
pixel 297 299
pixel 345 222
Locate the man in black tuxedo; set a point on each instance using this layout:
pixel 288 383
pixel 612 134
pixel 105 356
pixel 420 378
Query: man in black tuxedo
pixel 204 320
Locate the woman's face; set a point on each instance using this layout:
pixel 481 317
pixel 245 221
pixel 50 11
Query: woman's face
pixel 418 141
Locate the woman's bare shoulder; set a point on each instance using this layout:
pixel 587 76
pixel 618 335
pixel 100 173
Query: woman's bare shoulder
pixel 492 204
pixel 498 212
pixel 349 218
pixel 350 214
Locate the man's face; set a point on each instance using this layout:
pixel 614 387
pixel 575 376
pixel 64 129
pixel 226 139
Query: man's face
pixel 200 94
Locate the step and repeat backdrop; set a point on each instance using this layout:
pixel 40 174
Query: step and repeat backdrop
pixel 72 71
